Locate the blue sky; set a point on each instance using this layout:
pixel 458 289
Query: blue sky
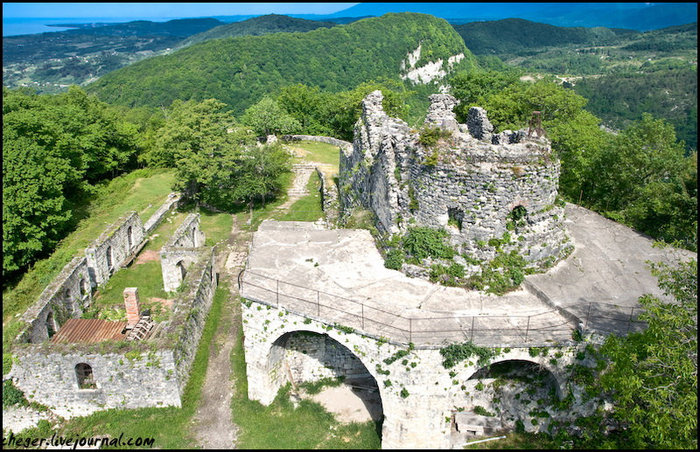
pixel 161 10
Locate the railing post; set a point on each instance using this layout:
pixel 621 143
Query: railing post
pixel 362 305
pixel 318 303
pixel 278 292
pixel 471 333
pixel 410 329
pixel 527 329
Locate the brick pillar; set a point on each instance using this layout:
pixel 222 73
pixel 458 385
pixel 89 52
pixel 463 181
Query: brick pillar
pixel 131 302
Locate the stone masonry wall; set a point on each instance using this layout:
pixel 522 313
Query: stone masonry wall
pixel 66 297
pixel 311 358
pixel 152 223
pixel 182 249
pixel 190 310
pixel 123 381
pixel 466 185
pixel 106 254
pixel 417 397
pixel 321 139
pixel 329 198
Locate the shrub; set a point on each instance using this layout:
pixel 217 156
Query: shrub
pixel 11 395
pixel 422 242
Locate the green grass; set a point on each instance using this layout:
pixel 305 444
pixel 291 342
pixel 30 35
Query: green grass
pixel 280 425
pixel 169 426
pixel 318 152
pixel 148 277
pixel 165 230
pixel 307 208
pixel 216 226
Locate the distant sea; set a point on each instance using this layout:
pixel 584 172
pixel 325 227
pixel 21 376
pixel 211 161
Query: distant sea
pixel 13 26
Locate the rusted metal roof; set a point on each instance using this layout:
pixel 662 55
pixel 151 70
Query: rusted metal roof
pixel 88 331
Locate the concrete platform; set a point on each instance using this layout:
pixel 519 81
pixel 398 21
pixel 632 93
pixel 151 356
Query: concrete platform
pixel 339 276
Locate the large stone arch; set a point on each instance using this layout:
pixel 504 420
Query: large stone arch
pixel 557 379
pixel 302 355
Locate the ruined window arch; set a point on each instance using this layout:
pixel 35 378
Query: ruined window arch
pixel 455 217
pixel 68 295
pixel 129 238
pixel 83 288
pixel 194 238
pixel 181 267
pixel 518 213
pixel 83 373
pixel 108 255
pixel 51 326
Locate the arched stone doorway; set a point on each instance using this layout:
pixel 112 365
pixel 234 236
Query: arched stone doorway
pixel 302 357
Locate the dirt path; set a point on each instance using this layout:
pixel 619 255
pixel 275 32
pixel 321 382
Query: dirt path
pixel 302 173
pixel 213 425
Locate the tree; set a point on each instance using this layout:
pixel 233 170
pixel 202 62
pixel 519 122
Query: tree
pixel 651 376
pixel 268 118
pixel 260 174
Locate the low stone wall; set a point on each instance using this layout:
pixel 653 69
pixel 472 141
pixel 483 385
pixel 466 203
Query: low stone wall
pixel 321 139
pixel 170 203
pixel 106 254
pixel 190 310
pixel 122 380
pixel 66 297
pixel 180 252
pixel 329 198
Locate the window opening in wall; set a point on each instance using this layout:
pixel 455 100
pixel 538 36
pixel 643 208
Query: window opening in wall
pixel 129 240
pixel 182 269
pixel 83 373
pixel 83 288
pixel 455 217
pixel 194 238
pixel 518 216
pixel 109 257
pixel 50 325
pixel 68 295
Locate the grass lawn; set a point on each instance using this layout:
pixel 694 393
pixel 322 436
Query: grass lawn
pixel 307 208
pixel 169 426
pixel 318 152
pixel 280 425
pixel 216 226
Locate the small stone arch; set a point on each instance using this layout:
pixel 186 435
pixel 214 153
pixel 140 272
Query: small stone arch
pixel 304 356
pixel 193 232
pixel 84 289
pixel 51 325
pixel 181 269
pixel 455 217
pixel 68 295
pixel 129 237
pixel 84 376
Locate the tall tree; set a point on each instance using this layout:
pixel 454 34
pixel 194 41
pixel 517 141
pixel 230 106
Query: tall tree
pixel 267 118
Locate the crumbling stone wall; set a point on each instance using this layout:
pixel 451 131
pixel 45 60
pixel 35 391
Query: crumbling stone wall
pixel 114 247
pixel 136 374
pixel 180 252
pixel 152 223
pixel 66 297
pixel 321 139
pixel 468 183
pixel 329 198
pixel 123 380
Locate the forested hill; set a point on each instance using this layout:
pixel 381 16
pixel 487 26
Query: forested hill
pixel 239 71
pixel 256 26
pixel 517 35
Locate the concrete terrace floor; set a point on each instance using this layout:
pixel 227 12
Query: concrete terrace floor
pixel 339 276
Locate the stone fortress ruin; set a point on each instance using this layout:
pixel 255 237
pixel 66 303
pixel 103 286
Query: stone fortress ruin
pixel 78 365
pixel 474 184
pixel 320 302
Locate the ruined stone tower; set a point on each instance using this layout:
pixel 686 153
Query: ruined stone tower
pixel 475 184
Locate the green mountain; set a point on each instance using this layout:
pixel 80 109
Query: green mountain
pixel 511 36
pixel 239 71
pixel 261 25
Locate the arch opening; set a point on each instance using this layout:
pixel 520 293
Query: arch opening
pixel 504 396
pixel 181 268
pixel 129 238
pixel 51 326
pixel 321 369
pixel 85 377
pixel 108 256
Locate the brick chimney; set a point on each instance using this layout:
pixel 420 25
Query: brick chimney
pixel 131 302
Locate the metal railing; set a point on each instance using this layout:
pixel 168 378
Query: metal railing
pixel 542 329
